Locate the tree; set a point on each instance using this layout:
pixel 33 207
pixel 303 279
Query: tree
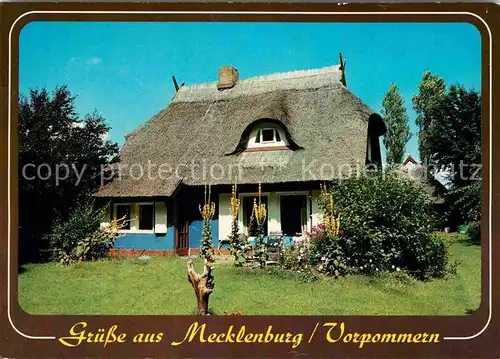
pixel 450 140
pixel 60 159
pixel 398 132
pixel 455 142
pixel 427 104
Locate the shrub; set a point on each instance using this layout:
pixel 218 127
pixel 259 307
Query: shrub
pixel 260 251
pixel 474 232
pixel 327 252
pixel 275 246
pixel 387 224
pixel 80 238
pixel 295 257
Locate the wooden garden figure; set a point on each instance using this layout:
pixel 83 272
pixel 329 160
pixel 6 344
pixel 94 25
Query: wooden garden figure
pixel 203 285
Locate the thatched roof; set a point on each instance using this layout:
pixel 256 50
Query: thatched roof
pixel 325 124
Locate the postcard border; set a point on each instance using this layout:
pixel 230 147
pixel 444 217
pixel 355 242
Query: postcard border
pixel 210 12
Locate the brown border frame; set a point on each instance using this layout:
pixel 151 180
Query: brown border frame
pixel 13 344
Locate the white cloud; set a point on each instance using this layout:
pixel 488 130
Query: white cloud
pixel 80 61
pixel 94 61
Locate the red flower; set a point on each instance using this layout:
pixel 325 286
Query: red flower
pixel 237 313
pixel 321 226
pixel 341 231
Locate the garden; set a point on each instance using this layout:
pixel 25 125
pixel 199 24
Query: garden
pixel 128 286
pixel 375 253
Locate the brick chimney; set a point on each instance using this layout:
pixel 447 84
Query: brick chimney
pixel 228 76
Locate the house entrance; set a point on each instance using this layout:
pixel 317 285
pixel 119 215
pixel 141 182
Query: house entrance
pixel 182 240
pixel 293 210
pixel 182 227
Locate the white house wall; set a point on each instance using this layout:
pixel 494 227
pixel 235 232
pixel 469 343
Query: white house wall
pixel 274 214
pixel 160 217
pixel 224 215
pixel 316 213
pixel 273 211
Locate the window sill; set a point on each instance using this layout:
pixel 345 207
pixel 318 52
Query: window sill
pixel 266 148
pixel 144 231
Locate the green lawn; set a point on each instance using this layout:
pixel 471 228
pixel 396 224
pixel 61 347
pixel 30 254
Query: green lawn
pixel 161 287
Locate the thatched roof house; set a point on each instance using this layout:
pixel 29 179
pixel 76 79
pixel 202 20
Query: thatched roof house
pixel 289 131
pixel 430 182
pixel 416 172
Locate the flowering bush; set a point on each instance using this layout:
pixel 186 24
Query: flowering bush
pixel 81 238
pixel 388 224
pixel 296 257
pixel 327 252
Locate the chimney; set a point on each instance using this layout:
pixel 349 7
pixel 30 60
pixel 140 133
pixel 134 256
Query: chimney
pixel 228 76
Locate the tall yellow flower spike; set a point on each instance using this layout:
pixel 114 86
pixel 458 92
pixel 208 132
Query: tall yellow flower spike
pixel 259 209
pixel 332 223
pixel 208 209
pixel 234 205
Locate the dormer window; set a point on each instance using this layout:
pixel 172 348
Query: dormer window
pixel 267 136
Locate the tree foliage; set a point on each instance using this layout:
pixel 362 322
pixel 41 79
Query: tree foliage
pixel 427 104
pixel 60 159
pixel 450 140
pixel 396 119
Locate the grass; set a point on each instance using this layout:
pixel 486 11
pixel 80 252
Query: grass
pixel 160 287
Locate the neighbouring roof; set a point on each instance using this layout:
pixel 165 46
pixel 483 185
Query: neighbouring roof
pixel 410 159
pixel 417 173
pixel 202 128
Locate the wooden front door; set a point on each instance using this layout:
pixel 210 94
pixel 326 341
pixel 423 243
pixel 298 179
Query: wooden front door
pixel 182 240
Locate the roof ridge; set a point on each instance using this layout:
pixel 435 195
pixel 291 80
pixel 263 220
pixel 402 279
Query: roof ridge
pixel 275 76
pixel 296 73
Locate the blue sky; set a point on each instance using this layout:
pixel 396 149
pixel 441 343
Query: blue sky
pixel 124 69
